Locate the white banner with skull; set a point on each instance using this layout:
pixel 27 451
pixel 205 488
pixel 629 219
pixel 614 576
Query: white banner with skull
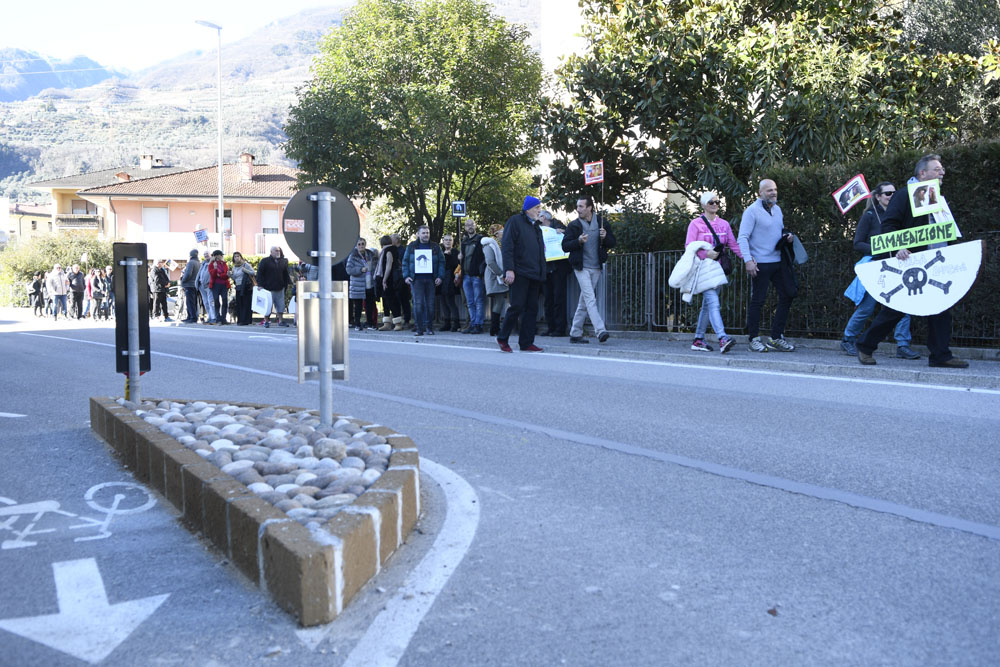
pixel 925 283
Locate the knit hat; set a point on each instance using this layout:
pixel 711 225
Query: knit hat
pixel 530 202
pixel 193 254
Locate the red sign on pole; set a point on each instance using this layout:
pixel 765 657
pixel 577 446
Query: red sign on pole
pixel 593 172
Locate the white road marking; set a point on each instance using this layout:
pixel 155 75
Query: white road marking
pixel 11 415
pixel 389 634
pixel 661 364
pixel 87 627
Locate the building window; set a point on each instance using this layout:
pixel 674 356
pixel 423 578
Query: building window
pixel 227 214
pixel 269 230
pixel 34 225
pixel 83 207
pixel 155 219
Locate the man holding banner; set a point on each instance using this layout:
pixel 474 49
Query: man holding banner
pixel 899 216
pixel 587 240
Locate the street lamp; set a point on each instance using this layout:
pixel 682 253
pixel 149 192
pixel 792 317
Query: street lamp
pixel 222 214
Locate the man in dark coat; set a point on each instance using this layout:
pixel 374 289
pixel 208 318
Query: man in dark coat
pixel 272 275
pixel 587 240
pixel 77 285
pixel 523 253
pixel 898 215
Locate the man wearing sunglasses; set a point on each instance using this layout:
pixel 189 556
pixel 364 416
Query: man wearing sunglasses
pixel 898 215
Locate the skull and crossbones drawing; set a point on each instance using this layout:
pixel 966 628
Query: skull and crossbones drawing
pixel 914 279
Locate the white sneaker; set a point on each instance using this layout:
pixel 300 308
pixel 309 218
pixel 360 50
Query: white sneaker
pixel 780 344
pixel 756 345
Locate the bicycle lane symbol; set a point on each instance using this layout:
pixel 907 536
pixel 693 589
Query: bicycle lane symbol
pixel 109 499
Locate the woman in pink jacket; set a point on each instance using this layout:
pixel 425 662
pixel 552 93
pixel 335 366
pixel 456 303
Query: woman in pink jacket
pixel 701 229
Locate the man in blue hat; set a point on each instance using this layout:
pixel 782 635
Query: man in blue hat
pixel 523 253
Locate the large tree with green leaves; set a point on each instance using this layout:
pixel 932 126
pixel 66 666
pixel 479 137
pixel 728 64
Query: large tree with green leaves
pixel 686 95
pixel 419 101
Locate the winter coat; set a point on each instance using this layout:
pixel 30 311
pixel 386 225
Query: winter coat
pixel 218 274
pixel 472 255
pixel 57 283
pixel 523 248
pixel 76 281
pixel 694 275
pixel 240 274
pixel 493 275
pixel 571 242
pixel 201 282
pixel 159 281
pixel 190 274
pixel 272 274
pixel 361 280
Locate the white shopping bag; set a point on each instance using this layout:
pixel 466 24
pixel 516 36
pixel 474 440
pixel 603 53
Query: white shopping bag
pixel 291 306
pixel 261 301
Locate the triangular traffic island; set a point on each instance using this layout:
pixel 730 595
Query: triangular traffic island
pixel 311 539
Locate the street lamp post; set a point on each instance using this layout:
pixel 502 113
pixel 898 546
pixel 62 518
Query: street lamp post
pixel 222 210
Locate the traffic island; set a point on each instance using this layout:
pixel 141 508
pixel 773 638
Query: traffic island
pixel 311 562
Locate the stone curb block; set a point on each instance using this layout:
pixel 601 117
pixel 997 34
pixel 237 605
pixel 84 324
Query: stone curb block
pixel 311 575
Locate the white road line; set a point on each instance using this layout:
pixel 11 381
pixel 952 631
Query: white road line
pixel 389 634
pixel 728 472
pixel 12 415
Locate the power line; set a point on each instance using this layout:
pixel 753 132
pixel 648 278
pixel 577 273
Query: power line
pixel 58 71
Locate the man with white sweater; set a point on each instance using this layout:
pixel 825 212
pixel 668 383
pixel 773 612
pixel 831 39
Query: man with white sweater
pixel 761 238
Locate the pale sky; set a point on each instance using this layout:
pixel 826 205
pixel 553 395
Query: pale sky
pixel 134 35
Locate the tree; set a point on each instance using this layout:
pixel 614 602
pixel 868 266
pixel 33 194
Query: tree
pixel 687 95
pixel 39 253
pixel 419 101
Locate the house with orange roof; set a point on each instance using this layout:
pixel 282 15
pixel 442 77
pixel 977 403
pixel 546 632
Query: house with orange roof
pixel 166 211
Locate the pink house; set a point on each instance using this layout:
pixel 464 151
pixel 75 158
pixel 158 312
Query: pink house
pixel 165 211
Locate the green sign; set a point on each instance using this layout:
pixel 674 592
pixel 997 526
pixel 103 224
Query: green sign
pixel 915 236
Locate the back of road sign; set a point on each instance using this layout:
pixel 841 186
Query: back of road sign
pixel 121 252
pixel 300 225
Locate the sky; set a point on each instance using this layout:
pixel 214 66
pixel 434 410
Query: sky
pixel 135 35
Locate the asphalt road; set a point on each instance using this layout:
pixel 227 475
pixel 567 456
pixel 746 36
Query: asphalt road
pixel 631 511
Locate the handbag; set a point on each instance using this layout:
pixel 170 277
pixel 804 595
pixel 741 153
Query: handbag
pixel 724 260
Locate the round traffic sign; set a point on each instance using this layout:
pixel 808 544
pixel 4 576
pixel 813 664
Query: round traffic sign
pixel 300 224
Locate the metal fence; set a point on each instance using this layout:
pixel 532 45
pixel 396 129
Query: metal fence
pixel 636 296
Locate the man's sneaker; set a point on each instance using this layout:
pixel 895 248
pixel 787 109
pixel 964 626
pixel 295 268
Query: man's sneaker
pixel 904 352
pixel 504 347
pixel 700 346
pixel 866 359
pixel 578 339
pixel 780 344
pixel 267 325
pixel 285 324
pixel 848 347
pixel 602 337
pixel 430 332
pixel 757 345
pixel 531 348
pixel 725 344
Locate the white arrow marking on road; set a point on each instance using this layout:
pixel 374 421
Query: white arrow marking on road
pixel 12 415
pixel 87 626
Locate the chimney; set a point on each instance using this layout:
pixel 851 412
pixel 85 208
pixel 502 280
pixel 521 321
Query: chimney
pixel 246 167
pixel 145 162
pixel 123 177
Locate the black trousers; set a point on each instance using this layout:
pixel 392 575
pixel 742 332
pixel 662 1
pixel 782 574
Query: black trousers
pixel 405 295
pixel 555 296
pixel 524 304
pixel 78 304
pixel 160 305
pixel 779 274
pixel 244 304
pixel 449 308
pixel 938 333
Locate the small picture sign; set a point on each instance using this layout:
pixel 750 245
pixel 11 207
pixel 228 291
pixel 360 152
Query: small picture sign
pixel 200 235
pixel 851 192
pixel 295 225
pixel 458 209
pixel 593 172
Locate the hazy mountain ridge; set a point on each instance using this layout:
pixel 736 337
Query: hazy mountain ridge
pixel 27 73
pixel 168 110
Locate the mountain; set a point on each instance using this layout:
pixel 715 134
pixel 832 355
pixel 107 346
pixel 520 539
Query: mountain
pixel 26 74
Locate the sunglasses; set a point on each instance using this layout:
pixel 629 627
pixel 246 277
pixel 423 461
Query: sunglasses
pixel 887 193
pixel 714 202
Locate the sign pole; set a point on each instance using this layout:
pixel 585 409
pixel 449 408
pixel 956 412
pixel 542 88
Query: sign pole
pixel 324 223
pixel 132 294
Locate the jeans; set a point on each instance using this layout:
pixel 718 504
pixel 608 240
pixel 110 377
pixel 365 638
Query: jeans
pixel 710 312
pixel 475 297
pixel 423 303
pixel 780 274
pixel 206 302
pixel 191 294
pixel 863 312
pixel 220 293
pixel 588 303
pixel 59 300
